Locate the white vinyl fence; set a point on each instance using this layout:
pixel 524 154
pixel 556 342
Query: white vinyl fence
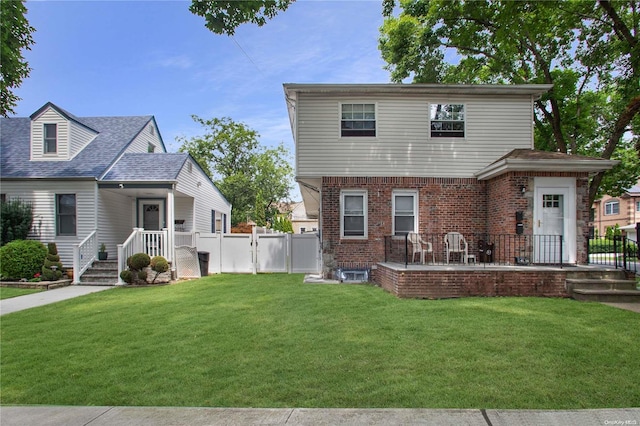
pixel 255 253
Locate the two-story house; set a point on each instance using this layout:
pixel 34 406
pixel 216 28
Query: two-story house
pixel 99 180
pixel 623 211
pixel 379 161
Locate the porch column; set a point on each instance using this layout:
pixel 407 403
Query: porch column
pixel 171 226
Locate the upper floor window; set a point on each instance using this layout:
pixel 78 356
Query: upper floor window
pixel 611 207
pixel 65 214
pixel 638 206
pixel 50 138
pixel 151 147
pixel 358 120
pixel 405 209
pixel 353 214
pixel 447 120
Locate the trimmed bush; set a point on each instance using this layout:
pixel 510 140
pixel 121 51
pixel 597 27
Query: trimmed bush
pixel 127 276
pixel 22 259
pixel 159 264
pixel 139 261
pixel 16 218
pixel 52 259
pixel 142 275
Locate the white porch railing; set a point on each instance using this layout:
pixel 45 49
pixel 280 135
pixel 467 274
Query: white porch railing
pixel 153 243
pixel 84 254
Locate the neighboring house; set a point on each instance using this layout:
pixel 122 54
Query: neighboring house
pixel 377 161
pixel 622 211
pixel 300 222
pixel 92 180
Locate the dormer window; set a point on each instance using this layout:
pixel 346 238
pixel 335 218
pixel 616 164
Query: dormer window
pixel 151 148
pixel 50 138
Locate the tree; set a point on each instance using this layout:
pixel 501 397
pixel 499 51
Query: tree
pixel 15 36
pixel 252 178
pixel 589 51
pixel 223 17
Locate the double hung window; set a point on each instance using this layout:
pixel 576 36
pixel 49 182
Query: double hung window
pixel 66 214
pixel 447 120
pixel 353 214
pixel 405 212
pixel 611 207
pixel 50 138
pixel 358 120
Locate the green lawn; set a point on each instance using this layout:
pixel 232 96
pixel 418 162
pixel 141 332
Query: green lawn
pixel 8 292
pixel 271 341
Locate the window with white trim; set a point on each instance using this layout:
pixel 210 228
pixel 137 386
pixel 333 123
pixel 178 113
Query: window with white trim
pixel 353 214
pixel 358 120
pixel 405 212
pixel 50 138
pixel 65 214
pixel 611 207
pixel 638 206
pixel 446 120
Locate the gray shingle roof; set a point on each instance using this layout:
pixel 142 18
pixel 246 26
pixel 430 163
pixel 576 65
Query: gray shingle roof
pixel 141 167
pixel 115 133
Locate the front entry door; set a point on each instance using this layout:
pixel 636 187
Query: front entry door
pixel 554 227
pixel 151 214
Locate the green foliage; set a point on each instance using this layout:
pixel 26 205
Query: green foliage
pixel 15 36
pixel 223 17
pixel 138 261
pixel 159 264
pixel 127 276
pixel 16 218
pixel 22 259
pixel 52 259
pixel 588 51
pixel 613 231
pixel 142 275
pixel 282 224
pixel 242 170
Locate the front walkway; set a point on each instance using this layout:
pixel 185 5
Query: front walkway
pixel 158 416
pixel 42 298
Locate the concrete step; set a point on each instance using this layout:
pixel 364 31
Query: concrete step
pixel 611 296
pixel 113 281
pixel 606 274
pixel 599 284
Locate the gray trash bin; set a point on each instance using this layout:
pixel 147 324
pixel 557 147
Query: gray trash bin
pixel 203 260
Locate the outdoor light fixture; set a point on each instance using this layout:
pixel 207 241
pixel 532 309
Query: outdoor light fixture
pixel 523 189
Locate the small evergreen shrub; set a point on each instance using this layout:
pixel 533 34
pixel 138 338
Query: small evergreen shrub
pixel 22 259
pixel 138 261
pixel 142 275
pixel 16 218
pixel 127 276
pixel 52 259
pixel 159 264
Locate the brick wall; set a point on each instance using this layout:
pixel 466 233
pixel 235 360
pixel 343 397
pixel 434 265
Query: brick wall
pixel 438 284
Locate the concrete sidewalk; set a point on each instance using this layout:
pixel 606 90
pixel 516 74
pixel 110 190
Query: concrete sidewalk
pixel 160 416
pixel 33 300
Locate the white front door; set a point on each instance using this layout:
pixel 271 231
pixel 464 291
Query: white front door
pixel 151 214
pixel 554 225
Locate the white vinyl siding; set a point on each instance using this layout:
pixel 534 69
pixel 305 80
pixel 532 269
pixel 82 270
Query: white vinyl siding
pixel 42 196
pixel 79 138
pixel 116 219
pixel 144 139
pixel 38 152
pixel 403 146
pixel 206 197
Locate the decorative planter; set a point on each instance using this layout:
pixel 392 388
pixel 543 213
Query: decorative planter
pixel 102 255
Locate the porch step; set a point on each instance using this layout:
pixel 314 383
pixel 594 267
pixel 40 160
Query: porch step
pixel 602 286
pixel 101 272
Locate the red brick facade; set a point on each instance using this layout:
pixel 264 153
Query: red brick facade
pixel 438 284
pixel 467 205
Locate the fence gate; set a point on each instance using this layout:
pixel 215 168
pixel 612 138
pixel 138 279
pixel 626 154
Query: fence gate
pixel 253 253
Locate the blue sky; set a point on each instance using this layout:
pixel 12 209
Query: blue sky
pixel 101 58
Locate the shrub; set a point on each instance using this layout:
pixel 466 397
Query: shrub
pixel 127 276
pixel 159 264
pixel 22 259
pixel 16 218
pixel 142 275
pixel 52 259
pixel 138 261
